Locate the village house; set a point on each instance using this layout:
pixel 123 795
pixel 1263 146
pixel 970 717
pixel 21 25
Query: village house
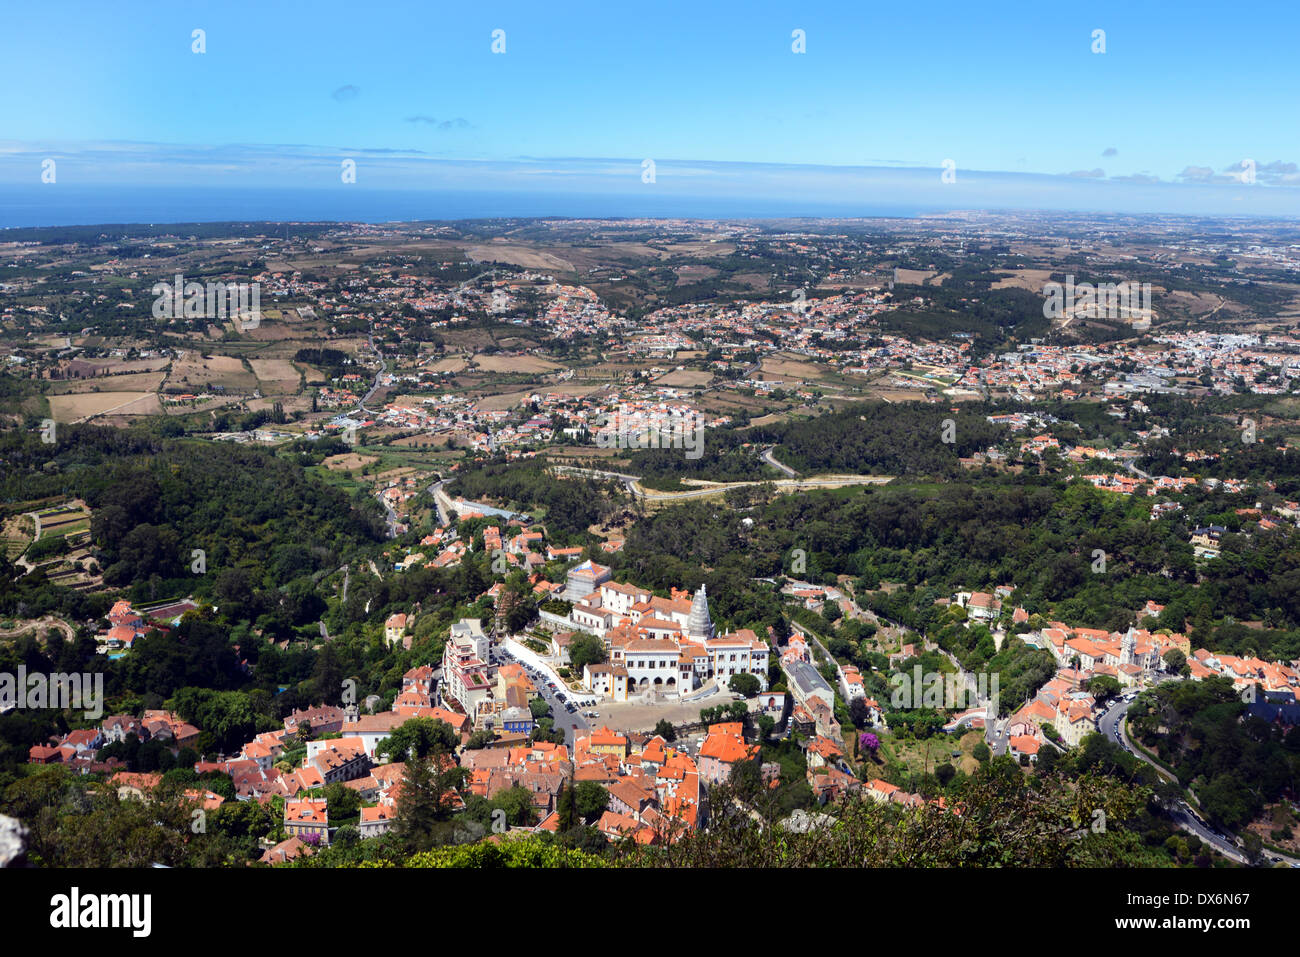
pixel 307 816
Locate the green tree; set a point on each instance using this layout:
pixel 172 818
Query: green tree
pixel 418 737
pixel 1104 687
pixel 744 684
pixel 591 800
pixel 587 650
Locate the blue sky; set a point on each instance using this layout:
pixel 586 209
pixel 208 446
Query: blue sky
pixel 711 91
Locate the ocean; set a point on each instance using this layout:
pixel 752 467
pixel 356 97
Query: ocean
pixel 73 205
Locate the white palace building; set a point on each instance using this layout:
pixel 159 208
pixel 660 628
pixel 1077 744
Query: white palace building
pixel 658 647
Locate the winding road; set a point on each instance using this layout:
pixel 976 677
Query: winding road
pixel 1113 726
pixel 633 484
pixel 767 457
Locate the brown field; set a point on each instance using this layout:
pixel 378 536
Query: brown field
pixel 695 273
pixel 72 408
pixel 209 406
pixel 452 364
pixel 198 371
pixel 466 339
pixel 506 400
pixel 772 419
pixel 684 377
pixel 914 277
pixel 134 382
pixel 583 452
pixel 348 462
pixel 728 403
pixel 1192 303
pixel 290 403
pixel 518 256
pixel 266 331
pixel 522 364
pixel 1031 279
pixel 423 441
pixel 138 365
pixel 568 388
pixel 275 375
pixel 314 375
pixel 791 368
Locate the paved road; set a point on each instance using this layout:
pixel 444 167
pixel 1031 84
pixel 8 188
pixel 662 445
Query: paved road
pixel 444 517
pixel 1113 725
pixel 1136 471
pixel 779 466
pixel 571 724
pixel 390 515
pixel 375 385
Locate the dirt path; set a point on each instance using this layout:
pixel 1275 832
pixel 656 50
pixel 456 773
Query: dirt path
pixel 41 624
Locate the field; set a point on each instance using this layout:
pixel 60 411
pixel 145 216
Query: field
pixel 790 369
pixel 75 407
pixel 64 520
pixel 453 364
pixel 131 382
pixel 423 441
pixel 1031 279
pixel 687 378
pixel 138 365
pixel 290 403
pixel 197 372
pixel 348 462
pixel 518 364
pixel 314 375
pixel 506 400
pixel 568 388
pixel 277 376
pixel 16 534
pixel 519 256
